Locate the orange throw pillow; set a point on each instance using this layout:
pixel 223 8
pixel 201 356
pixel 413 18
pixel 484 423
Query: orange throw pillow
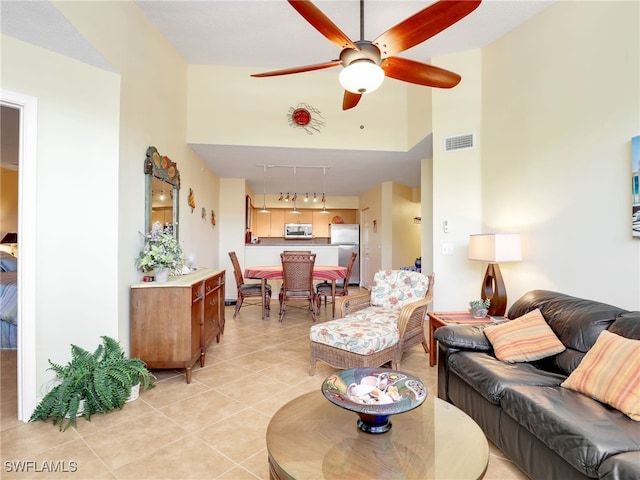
pixel 524 339
pixel 610 373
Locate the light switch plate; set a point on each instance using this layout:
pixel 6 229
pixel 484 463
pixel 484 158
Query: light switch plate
pixel 447 248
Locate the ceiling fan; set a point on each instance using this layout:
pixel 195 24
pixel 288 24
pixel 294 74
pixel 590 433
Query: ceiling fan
pixel 368 62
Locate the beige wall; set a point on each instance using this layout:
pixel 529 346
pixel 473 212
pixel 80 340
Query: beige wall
pixel 406 233
pixel 557 108
pixel 457 183
pixel 557 121
pixel 77 198
pixel 94 128
pixel 153 105
pixel 252 111
pixel 8 203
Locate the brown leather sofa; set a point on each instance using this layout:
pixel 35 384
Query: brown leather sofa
pixel 549 431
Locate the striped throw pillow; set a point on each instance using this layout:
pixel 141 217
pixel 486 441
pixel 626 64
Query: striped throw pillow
pixel 524 339
pixel 610 373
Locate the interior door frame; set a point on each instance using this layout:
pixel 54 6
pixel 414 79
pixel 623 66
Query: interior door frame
pixel 27 208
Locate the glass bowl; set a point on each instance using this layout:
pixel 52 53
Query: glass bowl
pixel 374 417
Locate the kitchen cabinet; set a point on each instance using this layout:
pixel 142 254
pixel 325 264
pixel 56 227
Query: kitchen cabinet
pixel 269 224
pixel 321 223
pixel 262 225
pixel 272 224
pixel 172 324
pixel 305 216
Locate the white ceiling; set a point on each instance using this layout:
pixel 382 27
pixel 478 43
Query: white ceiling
pixel 270 35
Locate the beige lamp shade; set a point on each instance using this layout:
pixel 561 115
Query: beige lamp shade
pixel 495 247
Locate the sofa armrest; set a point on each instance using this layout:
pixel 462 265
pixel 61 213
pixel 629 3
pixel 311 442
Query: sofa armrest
pixel 463 337
pixel 451 339
pixel 352 303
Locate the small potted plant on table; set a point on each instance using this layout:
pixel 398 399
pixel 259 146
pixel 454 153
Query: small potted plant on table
pixel 479 308
pixel 161 253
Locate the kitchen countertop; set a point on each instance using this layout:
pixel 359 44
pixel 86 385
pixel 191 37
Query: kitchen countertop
pixel 279 242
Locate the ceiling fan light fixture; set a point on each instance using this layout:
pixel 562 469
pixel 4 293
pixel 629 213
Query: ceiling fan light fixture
pixel 362 76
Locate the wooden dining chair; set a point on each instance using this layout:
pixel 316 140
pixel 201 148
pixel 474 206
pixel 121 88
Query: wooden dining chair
pixel 297 280
pixel 324 289
pixel 247 290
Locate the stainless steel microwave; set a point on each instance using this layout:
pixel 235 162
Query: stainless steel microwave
pixel 298 230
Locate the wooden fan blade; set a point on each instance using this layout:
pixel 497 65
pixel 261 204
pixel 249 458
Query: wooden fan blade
pixel 423 25
pixel 307 68
pixel 350 99
pixel 419 73
pixel 322 23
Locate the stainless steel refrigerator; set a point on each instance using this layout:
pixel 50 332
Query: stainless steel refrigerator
pixel 347 237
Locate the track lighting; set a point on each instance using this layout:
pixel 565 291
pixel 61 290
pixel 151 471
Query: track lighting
pixel 324 186
pixel 293 196
pixel 264 190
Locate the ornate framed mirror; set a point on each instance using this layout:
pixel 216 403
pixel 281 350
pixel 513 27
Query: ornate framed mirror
pixel 162 187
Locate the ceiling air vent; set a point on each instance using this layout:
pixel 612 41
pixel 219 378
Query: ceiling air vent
pixel 459 142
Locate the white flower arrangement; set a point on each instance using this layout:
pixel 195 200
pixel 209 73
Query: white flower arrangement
pixel 161 250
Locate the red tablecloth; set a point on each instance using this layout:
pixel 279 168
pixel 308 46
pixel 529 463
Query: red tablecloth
pixel 322 272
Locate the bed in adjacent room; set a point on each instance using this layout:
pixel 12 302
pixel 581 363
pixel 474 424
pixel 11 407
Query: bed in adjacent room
pixel 8 301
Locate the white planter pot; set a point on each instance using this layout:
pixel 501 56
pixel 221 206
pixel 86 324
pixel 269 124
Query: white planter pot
pixel 162 275
pixel 80 409
pixel 135 393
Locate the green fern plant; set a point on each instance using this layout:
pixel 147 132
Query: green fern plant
pixel 100 381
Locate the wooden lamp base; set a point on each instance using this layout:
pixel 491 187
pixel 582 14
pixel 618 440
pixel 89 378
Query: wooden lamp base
pixel 493 288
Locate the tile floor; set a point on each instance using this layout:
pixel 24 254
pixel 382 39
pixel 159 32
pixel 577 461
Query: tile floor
pixel 213 428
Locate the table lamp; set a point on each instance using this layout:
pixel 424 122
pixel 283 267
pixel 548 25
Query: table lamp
pixel 10 239
pixel 495 248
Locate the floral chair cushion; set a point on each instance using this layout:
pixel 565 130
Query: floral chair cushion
pixel 365 332
pixel 396 288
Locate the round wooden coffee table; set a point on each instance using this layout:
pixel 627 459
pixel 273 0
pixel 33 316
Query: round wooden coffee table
pixel 311 438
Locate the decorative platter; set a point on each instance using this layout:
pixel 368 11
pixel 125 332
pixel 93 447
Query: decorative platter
pixel 374 394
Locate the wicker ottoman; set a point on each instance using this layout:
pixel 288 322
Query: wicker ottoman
pixel 368 338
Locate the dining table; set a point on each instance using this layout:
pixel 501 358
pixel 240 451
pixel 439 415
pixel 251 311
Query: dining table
pixel 329 273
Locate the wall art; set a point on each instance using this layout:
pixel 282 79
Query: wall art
pixel 635 186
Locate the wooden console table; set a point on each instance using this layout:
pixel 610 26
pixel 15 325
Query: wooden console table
pixel 173 323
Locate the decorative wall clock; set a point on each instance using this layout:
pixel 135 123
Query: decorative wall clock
pixel 306 117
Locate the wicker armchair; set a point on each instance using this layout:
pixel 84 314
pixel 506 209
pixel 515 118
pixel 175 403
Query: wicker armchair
pixel 355 308
pixel 247 290
pixel 324 289
pixel 297 280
